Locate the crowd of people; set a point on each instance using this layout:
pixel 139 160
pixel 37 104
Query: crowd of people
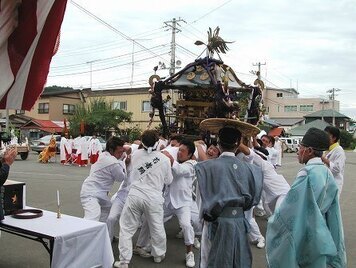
pixel 79 151
pixel 215 190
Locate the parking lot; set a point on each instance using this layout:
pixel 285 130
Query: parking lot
pixel 42 181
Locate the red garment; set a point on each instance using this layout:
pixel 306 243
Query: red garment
pixel 81 162
pixel 68 157
pixel 94 158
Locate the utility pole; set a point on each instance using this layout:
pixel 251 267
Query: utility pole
pixel 332 97
pixel 173 25
pixel 259 69
pixel 91 71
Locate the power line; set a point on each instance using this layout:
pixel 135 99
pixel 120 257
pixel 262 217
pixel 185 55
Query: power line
pixel 106 59
pixel 211 11
pixel 185 49
pixel 102 69
pixel 113 28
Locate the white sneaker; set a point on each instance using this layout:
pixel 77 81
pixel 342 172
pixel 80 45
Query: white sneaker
pixel 180 234
pixel 196 243
pixel 189 259
pixel 119 264
pixel 261 243
pixel 159 259
pixel 142 252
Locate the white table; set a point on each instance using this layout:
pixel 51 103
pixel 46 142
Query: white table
pixel 72 242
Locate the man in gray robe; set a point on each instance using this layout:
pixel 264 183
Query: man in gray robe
pixel 227 188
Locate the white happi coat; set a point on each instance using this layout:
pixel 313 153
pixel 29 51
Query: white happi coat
pixel 180 190
pixel 102 176
pixel 337 160
pixel 149 176
pixel 274 184
pixel 65 145
pixel 173 151
pixel 272 155
pixel 94 193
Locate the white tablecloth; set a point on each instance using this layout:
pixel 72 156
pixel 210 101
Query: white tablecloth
pixel 78 243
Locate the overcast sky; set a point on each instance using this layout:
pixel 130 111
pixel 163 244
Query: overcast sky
pixel 309 45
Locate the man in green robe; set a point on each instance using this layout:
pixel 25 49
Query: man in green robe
pixel 306 230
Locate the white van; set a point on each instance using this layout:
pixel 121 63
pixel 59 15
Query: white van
pixel 290 144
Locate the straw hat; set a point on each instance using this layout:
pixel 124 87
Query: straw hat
pixel 215 124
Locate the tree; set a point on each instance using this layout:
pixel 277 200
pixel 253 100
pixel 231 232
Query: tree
pixel 345 139
pixel 98 117
pixel 133 133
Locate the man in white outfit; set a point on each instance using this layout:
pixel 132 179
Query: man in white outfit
pixel 119 198
pixel 178 196
pixel 279 147
pixel 275 186
pixel 335 159
pixel 151 170
pixel 95 188
pixel 268 143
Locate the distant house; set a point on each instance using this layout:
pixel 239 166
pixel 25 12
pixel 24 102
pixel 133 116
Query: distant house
pixel 299 132
pixel 36 128
pixel 341 121
pixel 288 123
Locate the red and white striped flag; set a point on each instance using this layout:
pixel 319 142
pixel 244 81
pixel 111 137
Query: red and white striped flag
pixel 28 37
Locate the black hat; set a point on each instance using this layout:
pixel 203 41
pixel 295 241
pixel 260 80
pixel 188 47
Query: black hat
pixel 229 135
pixel 316 139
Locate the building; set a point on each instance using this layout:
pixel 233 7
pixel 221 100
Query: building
pixel 299 132
pixel 340 120
pixel 55 104
pixel 284 106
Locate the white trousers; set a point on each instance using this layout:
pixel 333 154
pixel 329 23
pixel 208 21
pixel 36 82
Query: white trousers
pixel 95 208
pixel 197 223
pixel 185 223
pixel 114 215
pixel 271 207
pixel 130 220
pixel 255 232
pixel 184 217
pixel 205 246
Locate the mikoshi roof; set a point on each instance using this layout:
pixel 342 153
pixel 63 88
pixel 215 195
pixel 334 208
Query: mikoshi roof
pixel 205 73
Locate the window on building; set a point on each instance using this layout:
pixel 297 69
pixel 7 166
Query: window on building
pixel 119 105
pixel 146 106
pixel 290 108
pixel 20 111
pixel 68 108
pixel 43 108
pixel 306 108
pixel 279 95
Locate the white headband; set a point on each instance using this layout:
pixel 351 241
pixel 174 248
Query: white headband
pixel 150 149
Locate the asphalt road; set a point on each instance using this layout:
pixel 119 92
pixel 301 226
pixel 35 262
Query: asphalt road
pixel 42 181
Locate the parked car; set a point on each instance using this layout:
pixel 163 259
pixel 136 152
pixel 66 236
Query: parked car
pixel 101 140
pixel 290 144
pixel 40 144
